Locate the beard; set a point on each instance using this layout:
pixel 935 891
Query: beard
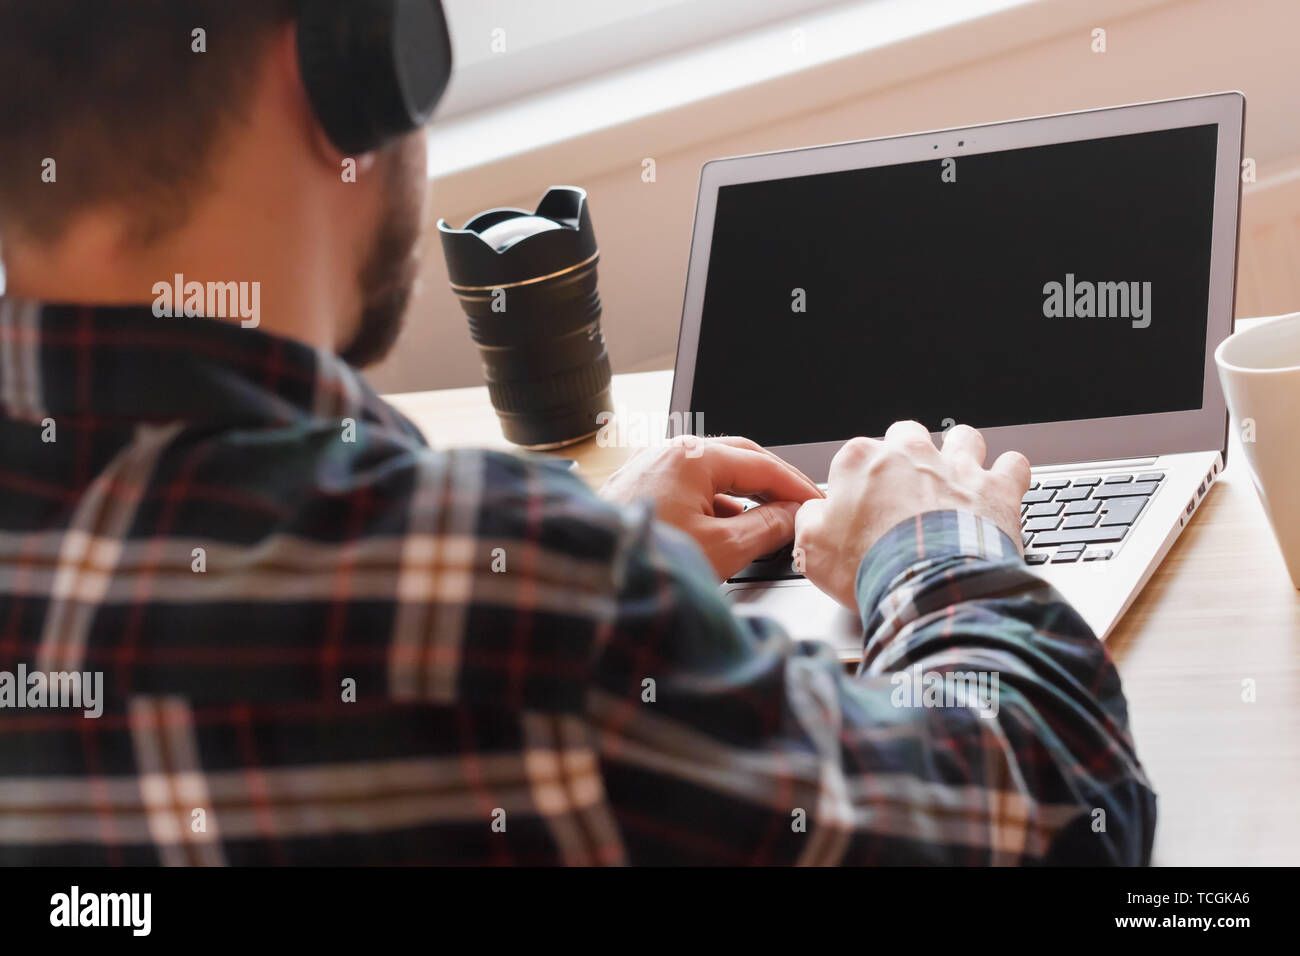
pixel 389 272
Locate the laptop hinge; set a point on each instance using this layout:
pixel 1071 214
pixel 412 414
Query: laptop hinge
pixel 1097 465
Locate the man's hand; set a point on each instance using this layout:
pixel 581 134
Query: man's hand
pixel 874 485
pixel 691 481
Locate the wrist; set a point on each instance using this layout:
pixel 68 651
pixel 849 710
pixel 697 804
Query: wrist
pixel 920 541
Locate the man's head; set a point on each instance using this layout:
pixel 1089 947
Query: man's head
pixel 146 138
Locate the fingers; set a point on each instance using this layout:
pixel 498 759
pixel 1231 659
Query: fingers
pixel 809 517
pixel 857 453
pixel 908 433
pixel 757 532
pixel 725 506
pixel 1015 466
pixel 738 441
pixel 962 440
pixel 823 554
pixel 854 455
pixel 748 473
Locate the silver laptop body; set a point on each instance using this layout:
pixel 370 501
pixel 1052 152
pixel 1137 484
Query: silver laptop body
pixel 1058 282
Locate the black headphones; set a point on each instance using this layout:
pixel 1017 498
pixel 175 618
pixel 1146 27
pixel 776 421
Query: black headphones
pixel 374 69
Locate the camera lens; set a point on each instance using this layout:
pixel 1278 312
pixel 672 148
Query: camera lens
pixel 527 282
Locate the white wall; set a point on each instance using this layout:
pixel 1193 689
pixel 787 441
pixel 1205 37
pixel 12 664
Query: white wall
pixel 1170 49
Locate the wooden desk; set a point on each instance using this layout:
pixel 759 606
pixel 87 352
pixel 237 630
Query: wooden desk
pixel 1218 611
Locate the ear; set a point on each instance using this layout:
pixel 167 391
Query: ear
pixel 326 152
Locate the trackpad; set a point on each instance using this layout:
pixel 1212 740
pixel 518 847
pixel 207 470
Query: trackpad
pixel 802 610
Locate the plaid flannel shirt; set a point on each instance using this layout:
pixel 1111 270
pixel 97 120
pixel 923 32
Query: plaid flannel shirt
pixel 321 642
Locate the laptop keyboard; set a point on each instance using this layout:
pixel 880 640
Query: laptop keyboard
pixel 1062 521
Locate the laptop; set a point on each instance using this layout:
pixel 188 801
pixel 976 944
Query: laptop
pixel 1058 282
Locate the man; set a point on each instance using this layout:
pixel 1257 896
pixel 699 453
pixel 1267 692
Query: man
pixel 284 605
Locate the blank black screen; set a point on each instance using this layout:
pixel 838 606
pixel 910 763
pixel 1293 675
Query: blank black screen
pixel 924 299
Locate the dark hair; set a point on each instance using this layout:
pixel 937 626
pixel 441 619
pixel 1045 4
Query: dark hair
pixel 114 92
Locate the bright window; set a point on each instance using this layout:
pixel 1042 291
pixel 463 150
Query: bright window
pixel 508 49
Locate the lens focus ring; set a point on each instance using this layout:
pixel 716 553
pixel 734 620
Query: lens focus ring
pixel 563 388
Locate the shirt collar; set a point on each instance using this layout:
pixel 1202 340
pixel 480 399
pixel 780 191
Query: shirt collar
pixel 123 363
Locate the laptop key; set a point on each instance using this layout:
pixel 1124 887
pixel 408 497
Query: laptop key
pixel 1151 476
pixel 1124 491
pixel 1081 521
pixel 1098 554
pixel 776 566
pixel 1042 524
pixel 1073 494
pixel 1065 557
pixel 1036 557
pixel 1122 511
pixel 1044 510
pixel 779 554
pixel 767 571
pixel 1117 479
pixel 1036 497
pixel 1025 538
pixel 1055 483
pixel 1080 536
pixel 1086 482
pixel 1082 507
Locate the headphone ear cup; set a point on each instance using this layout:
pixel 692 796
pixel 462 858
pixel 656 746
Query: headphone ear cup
pixel 373 69
pixel 324 31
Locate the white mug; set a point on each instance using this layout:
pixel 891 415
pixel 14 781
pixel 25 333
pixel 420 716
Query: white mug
pixel 1260 371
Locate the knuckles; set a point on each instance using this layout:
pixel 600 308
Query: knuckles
pixel 916 444
pixel 967 433
pixel 856 450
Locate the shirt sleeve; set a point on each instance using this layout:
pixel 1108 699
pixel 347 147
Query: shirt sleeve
pixel 986 724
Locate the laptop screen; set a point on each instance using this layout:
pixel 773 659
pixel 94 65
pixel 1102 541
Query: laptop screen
pixel 1042 284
